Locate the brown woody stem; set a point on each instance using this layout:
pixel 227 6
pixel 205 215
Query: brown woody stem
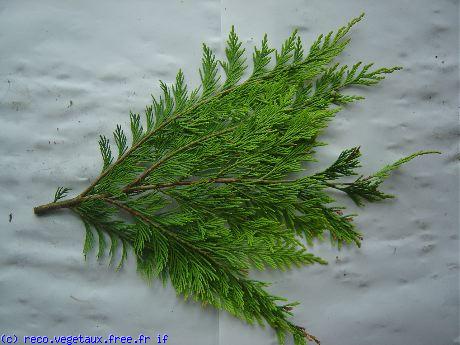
pixel 52 206
pixel 45 208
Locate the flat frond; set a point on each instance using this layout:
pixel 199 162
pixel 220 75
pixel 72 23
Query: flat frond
pixel 120 140
pixel 366 188
pixel 89 239
pixel 179 91
pixel 102 244
pixel 345 165
pixel 106 152
pixel 261 58
pixel 164 106
pixel 288 49
pixel 235 65
pixel 136 127
pixel 209 72
pixel 149 117
pixel 61 192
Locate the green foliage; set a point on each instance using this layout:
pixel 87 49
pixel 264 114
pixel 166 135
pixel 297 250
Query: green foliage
pixel 287 51
pixel 208 184
pixel 61 192
pixel 366 188
pixel 106 152
pixel 235 66
pixel 209 72
pixel 261 58
pixel 120 140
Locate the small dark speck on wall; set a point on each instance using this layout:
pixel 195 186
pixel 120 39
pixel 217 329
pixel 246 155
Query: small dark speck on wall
pixel 10 217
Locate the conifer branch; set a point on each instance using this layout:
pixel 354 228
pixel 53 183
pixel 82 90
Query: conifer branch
pixel 207 179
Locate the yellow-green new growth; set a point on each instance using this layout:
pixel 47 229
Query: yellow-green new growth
pixel 207 180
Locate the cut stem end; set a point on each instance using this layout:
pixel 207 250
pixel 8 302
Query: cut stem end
pixel 52 206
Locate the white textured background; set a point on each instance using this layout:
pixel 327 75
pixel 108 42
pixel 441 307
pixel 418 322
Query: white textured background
pixel 72 70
